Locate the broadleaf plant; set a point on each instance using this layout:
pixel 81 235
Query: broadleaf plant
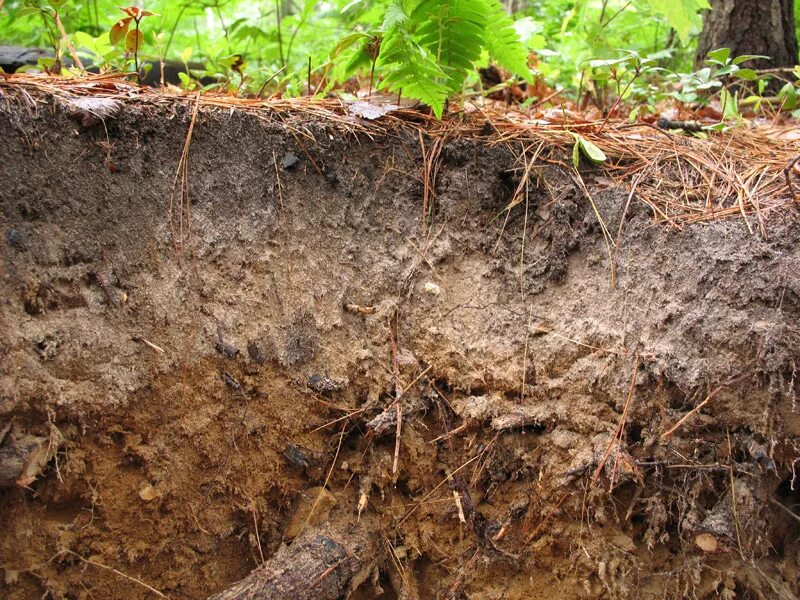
pixel 134 38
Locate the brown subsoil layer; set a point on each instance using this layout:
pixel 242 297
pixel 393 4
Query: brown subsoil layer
pixel 186 387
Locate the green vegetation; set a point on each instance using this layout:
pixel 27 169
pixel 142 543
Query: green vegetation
pixel 604 50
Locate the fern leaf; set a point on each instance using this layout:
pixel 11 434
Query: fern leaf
pixel 453 32
pixel 503 42
pixel 410 70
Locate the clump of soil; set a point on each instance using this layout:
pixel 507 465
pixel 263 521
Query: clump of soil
pixel 173 415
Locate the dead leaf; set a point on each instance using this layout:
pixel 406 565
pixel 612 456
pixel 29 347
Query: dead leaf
pixel 88 111
pixel 369 111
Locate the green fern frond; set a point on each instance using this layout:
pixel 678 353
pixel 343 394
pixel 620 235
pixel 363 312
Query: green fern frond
pixel 503 42
pixel 453 32
pixel 410 69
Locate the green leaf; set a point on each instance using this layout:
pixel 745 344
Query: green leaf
pixel 27 11
pixel 57 4
pixel 746 74
pixel 503 41
pixel 453 33
pixel 576 153
pixel 411 70
pixel 745 57
pixel 589 150
pixel 730 104
pixel 84 40
pixel 346 42
pixel 395 15
pixel 680 14
pixel 788 96
pixel 720 56
pixel 308 9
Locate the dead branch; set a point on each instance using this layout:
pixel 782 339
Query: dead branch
pixel 323 563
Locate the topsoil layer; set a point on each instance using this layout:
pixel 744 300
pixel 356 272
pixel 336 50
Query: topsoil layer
pixel 172 401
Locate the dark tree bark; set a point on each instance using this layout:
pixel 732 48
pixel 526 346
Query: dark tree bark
pixel 751 27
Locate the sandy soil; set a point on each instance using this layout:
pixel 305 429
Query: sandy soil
pixel 168 414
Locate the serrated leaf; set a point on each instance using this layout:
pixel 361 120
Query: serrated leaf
pixel 452 31
pixel 134 40
pixel 395 15
pixel 503 41
pixel 409 69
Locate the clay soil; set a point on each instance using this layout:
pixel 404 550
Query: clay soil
pixel 169 412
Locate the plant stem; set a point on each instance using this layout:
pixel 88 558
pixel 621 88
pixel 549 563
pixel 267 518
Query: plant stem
pixel 619 99
pixel 174 27
pixel 280 37
pixel 136 54
pixel 70 47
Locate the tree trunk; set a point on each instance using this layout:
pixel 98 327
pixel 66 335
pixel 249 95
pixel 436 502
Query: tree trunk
pixel 751 27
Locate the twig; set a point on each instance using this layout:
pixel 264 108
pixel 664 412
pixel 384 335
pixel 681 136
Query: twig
pixel 398 392
pixel 149 344
pixel 270 78
pixel 784 509
pixel 258 536
pixel 327 479
pixel 733 498
pixel 278 177
pixel 617 437
pixel 788 174
pixel 697 408
pixel 550 513
pixel 70 47
pixel 113 570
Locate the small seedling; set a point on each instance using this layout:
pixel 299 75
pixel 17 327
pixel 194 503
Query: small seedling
pixel 133 37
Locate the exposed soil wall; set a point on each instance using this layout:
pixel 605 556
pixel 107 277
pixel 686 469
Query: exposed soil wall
pixel 170 414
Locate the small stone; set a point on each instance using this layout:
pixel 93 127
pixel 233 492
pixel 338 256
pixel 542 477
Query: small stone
pixel 148 493
pixel 15 239
pixel 432 289
pixel 289 161
pixel 297 456
pixel 322 384
pixel 227 350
